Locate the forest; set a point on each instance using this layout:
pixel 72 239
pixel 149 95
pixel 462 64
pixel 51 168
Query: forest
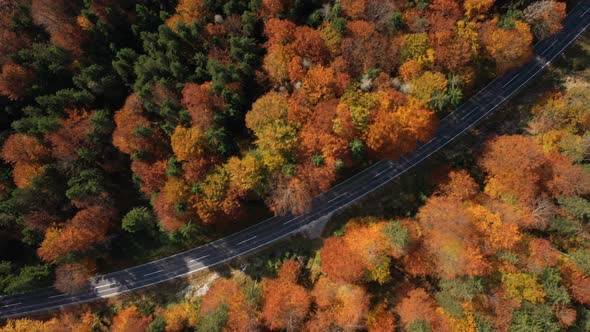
pixel 502 245
pixel 133 129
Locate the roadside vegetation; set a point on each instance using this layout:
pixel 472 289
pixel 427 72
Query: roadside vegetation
pixel 135 129
pixel 490 236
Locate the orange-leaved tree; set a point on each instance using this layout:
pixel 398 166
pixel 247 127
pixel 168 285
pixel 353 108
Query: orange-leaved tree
pixel 474 8
pixel 187 13
pixel 86 229
pixel 71 136
pixel 338 304
pixel 510 47
pixel 419 306
pixel 286 304
pixel 226 292
pixel 15 81
pixel 130 319
pixel 515 166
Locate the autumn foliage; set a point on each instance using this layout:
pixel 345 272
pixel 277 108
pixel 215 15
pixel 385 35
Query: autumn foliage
pixel 130 320
pixel 144 127
pixel 173 193
pixel 350 269
pixel 87 228
pixel 63 28
pixel 518 166
pixel 545 17
pixel 474 8
pixel 417 305
pixel 72 277
pixel 286 304
pixel 71 136
pixel 364 82
pixel 227 292
pixel 21 148
pixel 180 316
pixel 380 319
pixel 27 154
pixel 15 81
pixel 340 304
pixel 134 132
pixel 510 47
pixel 187 12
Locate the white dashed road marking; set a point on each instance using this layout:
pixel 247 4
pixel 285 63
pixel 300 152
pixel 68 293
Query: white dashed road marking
pixel 149 274
pixel 252 238
pixel 196 259
pixel 107 285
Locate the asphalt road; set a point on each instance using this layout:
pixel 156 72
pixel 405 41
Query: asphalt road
pixel 275 229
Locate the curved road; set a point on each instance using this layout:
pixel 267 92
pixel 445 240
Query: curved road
pixel 342 195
